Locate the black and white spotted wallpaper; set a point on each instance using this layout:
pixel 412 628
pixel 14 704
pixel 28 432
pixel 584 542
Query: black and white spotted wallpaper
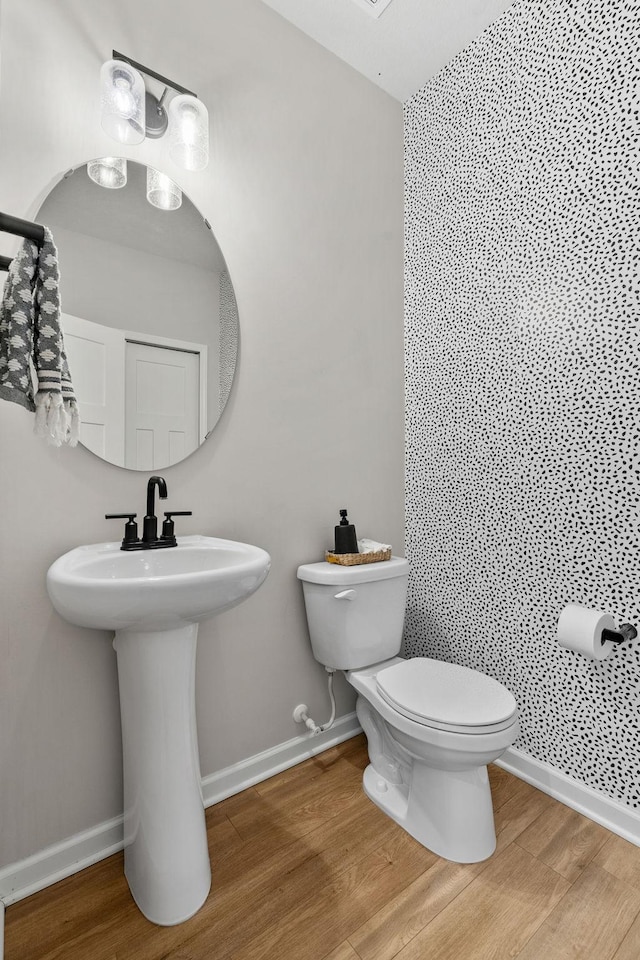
pixel 523 370
pixel 228 336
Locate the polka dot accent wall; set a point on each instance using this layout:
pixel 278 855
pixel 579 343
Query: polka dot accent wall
pixel 523 371
pixel 228 336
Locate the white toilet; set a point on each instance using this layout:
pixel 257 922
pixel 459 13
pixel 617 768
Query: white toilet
pixel 431 726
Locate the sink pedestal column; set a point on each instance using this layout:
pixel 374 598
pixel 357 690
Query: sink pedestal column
pixel 166 857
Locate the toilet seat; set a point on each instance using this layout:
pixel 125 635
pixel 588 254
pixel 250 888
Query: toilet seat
pixel 446 696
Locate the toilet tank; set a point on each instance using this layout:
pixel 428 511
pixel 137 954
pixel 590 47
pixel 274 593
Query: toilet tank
pixel 355 613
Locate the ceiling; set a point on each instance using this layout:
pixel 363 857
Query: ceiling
pixel 401 49
pixel 124 217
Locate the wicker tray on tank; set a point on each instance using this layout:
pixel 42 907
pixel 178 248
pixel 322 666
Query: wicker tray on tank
pixel 349 559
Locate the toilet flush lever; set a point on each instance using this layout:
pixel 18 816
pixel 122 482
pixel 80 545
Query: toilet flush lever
pixel 345 595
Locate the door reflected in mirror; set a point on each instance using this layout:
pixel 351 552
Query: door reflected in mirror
pixel 149 318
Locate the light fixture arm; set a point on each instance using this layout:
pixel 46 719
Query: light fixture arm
pixel 156 76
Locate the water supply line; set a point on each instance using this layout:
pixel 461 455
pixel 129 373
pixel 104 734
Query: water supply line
pixel 301 712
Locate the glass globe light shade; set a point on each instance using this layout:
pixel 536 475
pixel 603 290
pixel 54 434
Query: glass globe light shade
pixel 162 192
pixel 188 132
pixel 122 102
pixel 108 172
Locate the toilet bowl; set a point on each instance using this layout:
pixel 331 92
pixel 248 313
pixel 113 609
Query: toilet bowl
pixel 432 779
pixel 431 726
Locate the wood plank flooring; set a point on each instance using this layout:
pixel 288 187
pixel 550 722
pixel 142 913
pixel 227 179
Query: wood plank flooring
pixel 306 868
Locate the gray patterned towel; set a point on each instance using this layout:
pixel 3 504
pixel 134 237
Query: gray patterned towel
pixel 31 340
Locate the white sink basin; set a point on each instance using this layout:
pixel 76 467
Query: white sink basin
pixel 106 588
pixel 154 600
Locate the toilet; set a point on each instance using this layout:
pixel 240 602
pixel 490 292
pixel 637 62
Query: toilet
pixel 432 727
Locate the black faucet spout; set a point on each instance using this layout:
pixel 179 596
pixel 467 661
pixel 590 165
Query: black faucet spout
pixel 150 524
pixel 161 484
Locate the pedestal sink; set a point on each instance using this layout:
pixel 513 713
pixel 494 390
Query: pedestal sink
pixel 154 600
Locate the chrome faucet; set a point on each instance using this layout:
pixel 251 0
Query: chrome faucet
pixel 150 539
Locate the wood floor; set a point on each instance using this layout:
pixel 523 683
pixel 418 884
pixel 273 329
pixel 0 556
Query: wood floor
pixel 306 868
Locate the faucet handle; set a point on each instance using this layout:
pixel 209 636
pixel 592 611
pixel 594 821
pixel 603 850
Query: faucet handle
pixel 130 528
pixel 168 532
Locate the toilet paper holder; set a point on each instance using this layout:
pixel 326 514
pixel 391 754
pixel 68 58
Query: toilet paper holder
pixel 626 631
pixel 592 633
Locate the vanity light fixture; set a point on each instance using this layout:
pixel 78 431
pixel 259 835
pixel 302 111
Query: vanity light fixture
pixel 108 172
pixel 122 102
pixel 162 192
pixel 131 111
pixel 188 132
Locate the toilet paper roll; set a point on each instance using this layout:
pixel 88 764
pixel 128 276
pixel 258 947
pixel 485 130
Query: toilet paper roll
pixel 580 629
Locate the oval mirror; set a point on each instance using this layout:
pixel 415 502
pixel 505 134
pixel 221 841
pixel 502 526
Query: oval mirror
pixel 149 318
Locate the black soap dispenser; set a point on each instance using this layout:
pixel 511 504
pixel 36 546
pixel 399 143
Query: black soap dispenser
pixel 346 540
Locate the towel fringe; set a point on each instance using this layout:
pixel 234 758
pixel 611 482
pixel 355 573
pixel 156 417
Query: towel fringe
pixel 57 420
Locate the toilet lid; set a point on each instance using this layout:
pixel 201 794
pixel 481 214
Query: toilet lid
pixel 446 696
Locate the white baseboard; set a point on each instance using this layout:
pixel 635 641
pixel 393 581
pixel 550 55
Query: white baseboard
pixel 54 863
pixel 21 879
pixel 255 769
pixel 615 816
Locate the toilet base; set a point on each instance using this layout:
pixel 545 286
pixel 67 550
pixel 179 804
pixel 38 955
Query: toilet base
pixel 434 783
pixel 448 812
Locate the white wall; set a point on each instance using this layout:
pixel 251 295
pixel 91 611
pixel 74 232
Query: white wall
pixel 304 192
pixel 141 293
